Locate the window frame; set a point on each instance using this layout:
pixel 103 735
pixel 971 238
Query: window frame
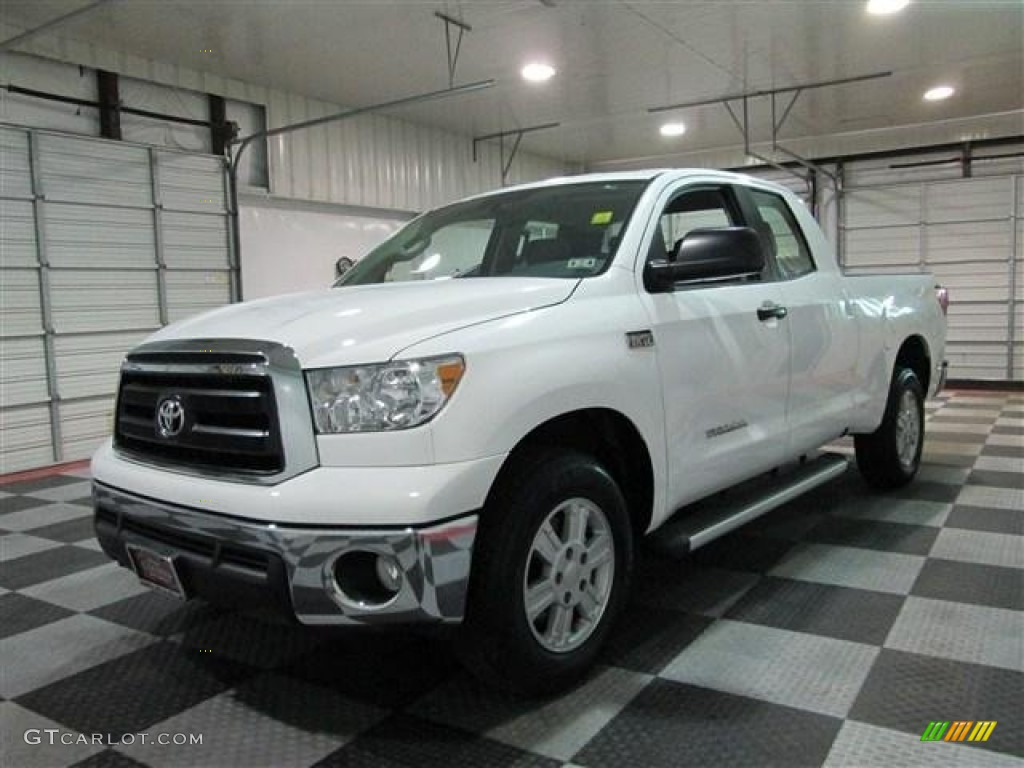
pixel 748 195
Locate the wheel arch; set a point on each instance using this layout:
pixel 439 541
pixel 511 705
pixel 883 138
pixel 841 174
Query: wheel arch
pixel 611 438
pixel 914 354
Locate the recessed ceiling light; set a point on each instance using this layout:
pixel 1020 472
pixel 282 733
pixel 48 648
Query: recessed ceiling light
pixel 939 92
pixel 885 7
pixel 673 129
pixel 537 72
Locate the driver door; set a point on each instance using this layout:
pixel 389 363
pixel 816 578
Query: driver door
pixel 724 365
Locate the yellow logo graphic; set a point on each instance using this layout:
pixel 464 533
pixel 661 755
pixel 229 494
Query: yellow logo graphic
pixel 959 730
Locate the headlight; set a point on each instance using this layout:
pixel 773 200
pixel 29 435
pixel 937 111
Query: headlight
pixel 375 398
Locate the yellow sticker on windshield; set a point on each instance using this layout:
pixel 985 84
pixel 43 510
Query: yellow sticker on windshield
pixel 601 217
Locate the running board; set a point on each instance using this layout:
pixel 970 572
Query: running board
pixel 694 526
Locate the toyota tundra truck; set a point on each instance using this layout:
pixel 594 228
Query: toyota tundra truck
pixel 480 421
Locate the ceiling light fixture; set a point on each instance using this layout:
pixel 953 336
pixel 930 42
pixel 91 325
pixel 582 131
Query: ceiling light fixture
pixel 673 129
pixel 939 93
pixel 885 7
pixel 537 72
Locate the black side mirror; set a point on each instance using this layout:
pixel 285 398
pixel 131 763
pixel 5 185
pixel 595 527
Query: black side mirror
pixel 708 254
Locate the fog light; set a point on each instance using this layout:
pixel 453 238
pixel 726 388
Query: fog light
pixel 389 573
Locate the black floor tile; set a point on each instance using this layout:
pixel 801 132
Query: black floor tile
pixel 50 564
pixel 404 740
pixel 986 519
pixel 971 583
pixel 904 691
pixel 21 613
pixel 1005 451
pixel 999 430
pixel 934 431
pixel 109 758
pixel 18 503
pixel 946 459
pixel 943 493
pixel 42 484
pixel 957 416
pixel 670 724
pixel 135 691
pixel 69 531
pixel 874 534
pixel 740 552
pixel 385 669
pixel 157 614
pixel 846 614
pixel 646 638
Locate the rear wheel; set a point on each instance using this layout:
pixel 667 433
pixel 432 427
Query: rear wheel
pixel 890 456
pixel 550 573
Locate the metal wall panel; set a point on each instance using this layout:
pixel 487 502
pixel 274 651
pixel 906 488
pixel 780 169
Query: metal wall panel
pixel 23 373
pixel 189 293
pixel 88 365
pixel 26 440
pixel 102 243
pixel 84 424
pixel 94 172
pixel 20 312
pixel 967 231
pixel 15 171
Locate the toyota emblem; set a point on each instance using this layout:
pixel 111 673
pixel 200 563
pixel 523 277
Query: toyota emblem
pixel 170 417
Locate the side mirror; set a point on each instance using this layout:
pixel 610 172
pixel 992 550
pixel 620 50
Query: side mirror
pixel 708 254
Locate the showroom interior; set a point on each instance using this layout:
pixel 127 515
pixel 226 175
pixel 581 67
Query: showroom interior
pixel 163 159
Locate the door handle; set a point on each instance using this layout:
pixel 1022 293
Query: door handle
pixel 770 311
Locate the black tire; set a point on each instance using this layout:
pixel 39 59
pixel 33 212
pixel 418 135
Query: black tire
pixel 499 642
pixel 890 456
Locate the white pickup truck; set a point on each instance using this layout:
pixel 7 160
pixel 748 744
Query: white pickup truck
pixel 480 421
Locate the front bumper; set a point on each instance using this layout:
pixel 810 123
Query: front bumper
pixel 290 567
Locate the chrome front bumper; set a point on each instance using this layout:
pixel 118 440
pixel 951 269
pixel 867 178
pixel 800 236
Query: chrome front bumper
pixel 293 564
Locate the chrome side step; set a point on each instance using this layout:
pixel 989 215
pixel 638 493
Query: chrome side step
pixel 698 524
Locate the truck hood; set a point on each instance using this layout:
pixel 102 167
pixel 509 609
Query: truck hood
pixel 372 323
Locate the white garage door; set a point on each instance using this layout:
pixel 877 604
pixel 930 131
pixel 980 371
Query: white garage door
pixel 966 231
pixel 102 243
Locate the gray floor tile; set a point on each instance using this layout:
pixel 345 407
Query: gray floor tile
pixel 60 649
pixel 15 545
pixel 646 638
pixel 941 474
pixel 1010 441
pixel 791 668
pixel 90 589
pixel 1007 464
pixel 859 745
pixel 18 726
pixel 972 633
pixel 669 725
pixel 43 515
pixel 983 496
pixel 851 567
pixel 1000 549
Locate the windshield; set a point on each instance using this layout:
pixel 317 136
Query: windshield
pixel 567 231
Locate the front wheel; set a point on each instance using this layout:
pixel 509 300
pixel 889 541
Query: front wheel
pixel 890 456
pixel 550 572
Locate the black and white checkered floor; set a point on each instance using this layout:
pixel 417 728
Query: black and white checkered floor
pixel 830 632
